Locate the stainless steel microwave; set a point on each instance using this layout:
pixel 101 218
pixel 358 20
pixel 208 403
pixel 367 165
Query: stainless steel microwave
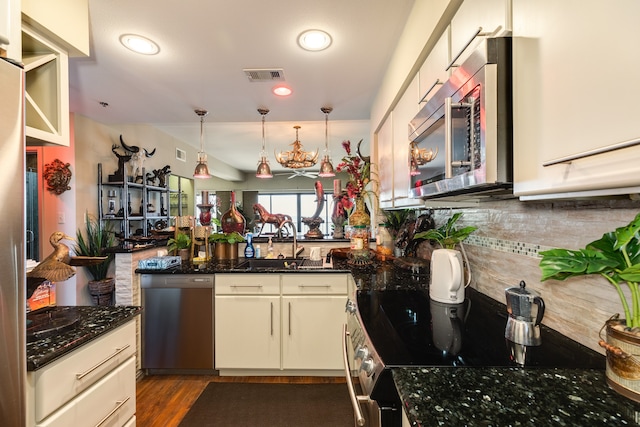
pixel 461 140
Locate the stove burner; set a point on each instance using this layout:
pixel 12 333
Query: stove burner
pixel 47 322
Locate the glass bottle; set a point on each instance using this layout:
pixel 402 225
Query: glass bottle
pixel 232 220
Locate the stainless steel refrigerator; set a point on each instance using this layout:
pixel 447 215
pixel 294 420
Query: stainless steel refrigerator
pixel 13 361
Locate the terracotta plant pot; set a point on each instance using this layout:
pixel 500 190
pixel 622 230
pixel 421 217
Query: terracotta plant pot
pixel 623 364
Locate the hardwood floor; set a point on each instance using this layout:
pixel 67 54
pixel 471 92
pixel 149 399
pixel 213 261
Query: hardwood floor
pixel 163 400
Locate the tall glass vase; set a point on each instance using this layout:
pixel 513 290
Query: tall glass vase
pixel 232 220
pixel 359 216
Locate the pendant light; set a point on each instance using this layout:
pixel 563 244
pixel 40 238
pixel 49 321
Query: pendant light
pixel 263 171
pixel 202 170
pixel 326 168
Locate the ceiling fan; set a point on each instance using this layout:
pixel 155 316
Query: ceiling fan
pixel 299 172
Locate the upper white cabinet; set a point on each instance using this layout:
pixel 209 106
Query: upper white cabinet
pixel 46 67
pixel 393 151
pixel 476 19
pixel 433 72
pixel 405 110
pixel 385 163
pixel 65 22
pixel 575 92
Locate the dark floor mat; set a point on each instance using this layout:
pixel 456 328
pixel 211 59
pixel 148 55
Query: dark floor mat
pixel 271 405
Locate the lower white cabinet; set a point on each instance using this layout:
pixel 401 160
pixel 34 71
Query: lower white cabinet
pixel 93 385
pixel 279 323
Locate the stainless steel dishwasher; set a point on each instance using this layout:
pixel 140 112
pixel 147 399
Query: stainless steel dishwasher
pixel 177 322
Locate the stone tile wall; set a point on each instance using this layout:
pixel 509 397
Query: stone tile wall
pixel 504 250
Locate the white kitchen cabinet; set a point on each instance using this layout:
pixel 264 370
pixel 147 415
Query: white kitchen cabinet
pixel 247 332
pixel 93 383
pixel 393 151
pixel 433 72
pixel 403 113
pixel 475 20
pixel 313 314
pixel 279 324
pixel 574 93
pixel 385 163
pixel 247 321
pixel 46 67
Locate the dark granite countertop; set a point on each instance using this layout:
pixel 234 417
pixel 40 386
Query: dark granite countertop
pixel 89 322
pixel 511 397
pixel 231 266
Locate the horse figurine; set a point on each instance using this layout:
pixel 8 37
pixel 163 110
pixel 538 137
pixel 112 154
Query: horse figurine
pixel 268 218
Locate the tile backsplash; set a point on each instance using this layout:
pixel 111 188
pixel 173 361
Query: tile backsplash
pixel 505 249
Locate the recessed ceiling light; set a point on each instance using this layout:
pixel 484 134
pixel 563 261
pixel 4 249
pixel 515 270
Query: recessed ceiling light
pixel 314 40
pixel 139 44
pixel 282 90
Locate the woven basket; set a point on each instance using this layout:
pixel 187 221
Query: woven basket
pixel 101 291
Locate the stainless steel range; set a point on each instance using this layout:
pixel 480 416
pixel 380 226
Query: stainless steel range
pixel 395 324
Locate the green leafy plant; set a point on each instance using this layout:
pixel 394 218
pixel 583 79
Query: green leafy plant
pixel 233 237
pixel 181 241
pixel 615 256
pixel 395 219
pixel 93 243
pixel 447 235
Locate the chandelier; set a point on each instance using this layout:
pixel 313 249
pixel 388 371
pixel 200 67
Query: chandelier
pixel 297 158
pixel 419 157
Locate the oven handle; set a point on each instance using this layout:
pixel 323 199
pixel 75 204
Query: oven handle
pixel 360 421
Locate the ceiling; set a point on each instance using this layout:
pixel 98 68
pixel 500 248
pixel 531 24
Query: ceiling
pixel 204 47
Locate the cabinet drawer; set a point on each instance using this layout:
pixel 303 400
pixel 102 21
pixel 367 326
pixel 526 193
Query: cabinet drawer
pixel 109 402
pixel 254 284
pixel 315 284
pixel 70 375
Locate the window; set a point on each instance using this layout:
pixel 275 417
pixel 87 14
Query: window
pixel 297 206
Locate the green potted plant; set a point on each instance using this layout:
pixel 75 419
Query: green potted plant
pixel 92 243
pixel 180 245
pixel 616 258
pixel 447 236
pixel 226 245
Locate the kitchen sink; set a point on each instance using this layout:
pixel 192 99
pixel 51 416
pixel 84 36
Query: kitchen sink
pixel 278 264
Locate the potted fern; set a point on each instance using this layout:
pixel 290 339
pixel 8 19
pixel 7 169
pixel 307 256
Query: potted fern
pixel 92 243
pixel 616 258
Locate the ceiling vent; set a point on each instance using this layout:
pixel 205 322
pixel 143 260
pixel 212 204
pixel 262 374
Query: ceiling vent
pixel 264 74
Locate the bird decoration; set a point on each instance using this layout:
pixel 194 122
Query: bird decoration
pixel 58 266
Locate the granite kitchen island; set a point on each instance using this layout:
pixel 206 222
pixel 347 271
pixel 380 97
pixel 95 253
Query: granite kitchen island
pixel 511 397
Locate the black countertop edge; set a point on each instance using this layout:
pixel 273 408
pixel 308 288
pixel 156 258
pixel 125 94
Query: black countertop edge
pixel 472 396
pixel 93 321
pixel 231 267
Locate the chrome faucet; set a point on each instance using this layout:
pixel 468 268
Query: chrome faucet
pixel 295 249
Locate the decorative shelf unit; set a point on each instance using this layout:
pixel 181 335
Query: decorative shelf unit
pixel 135 204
